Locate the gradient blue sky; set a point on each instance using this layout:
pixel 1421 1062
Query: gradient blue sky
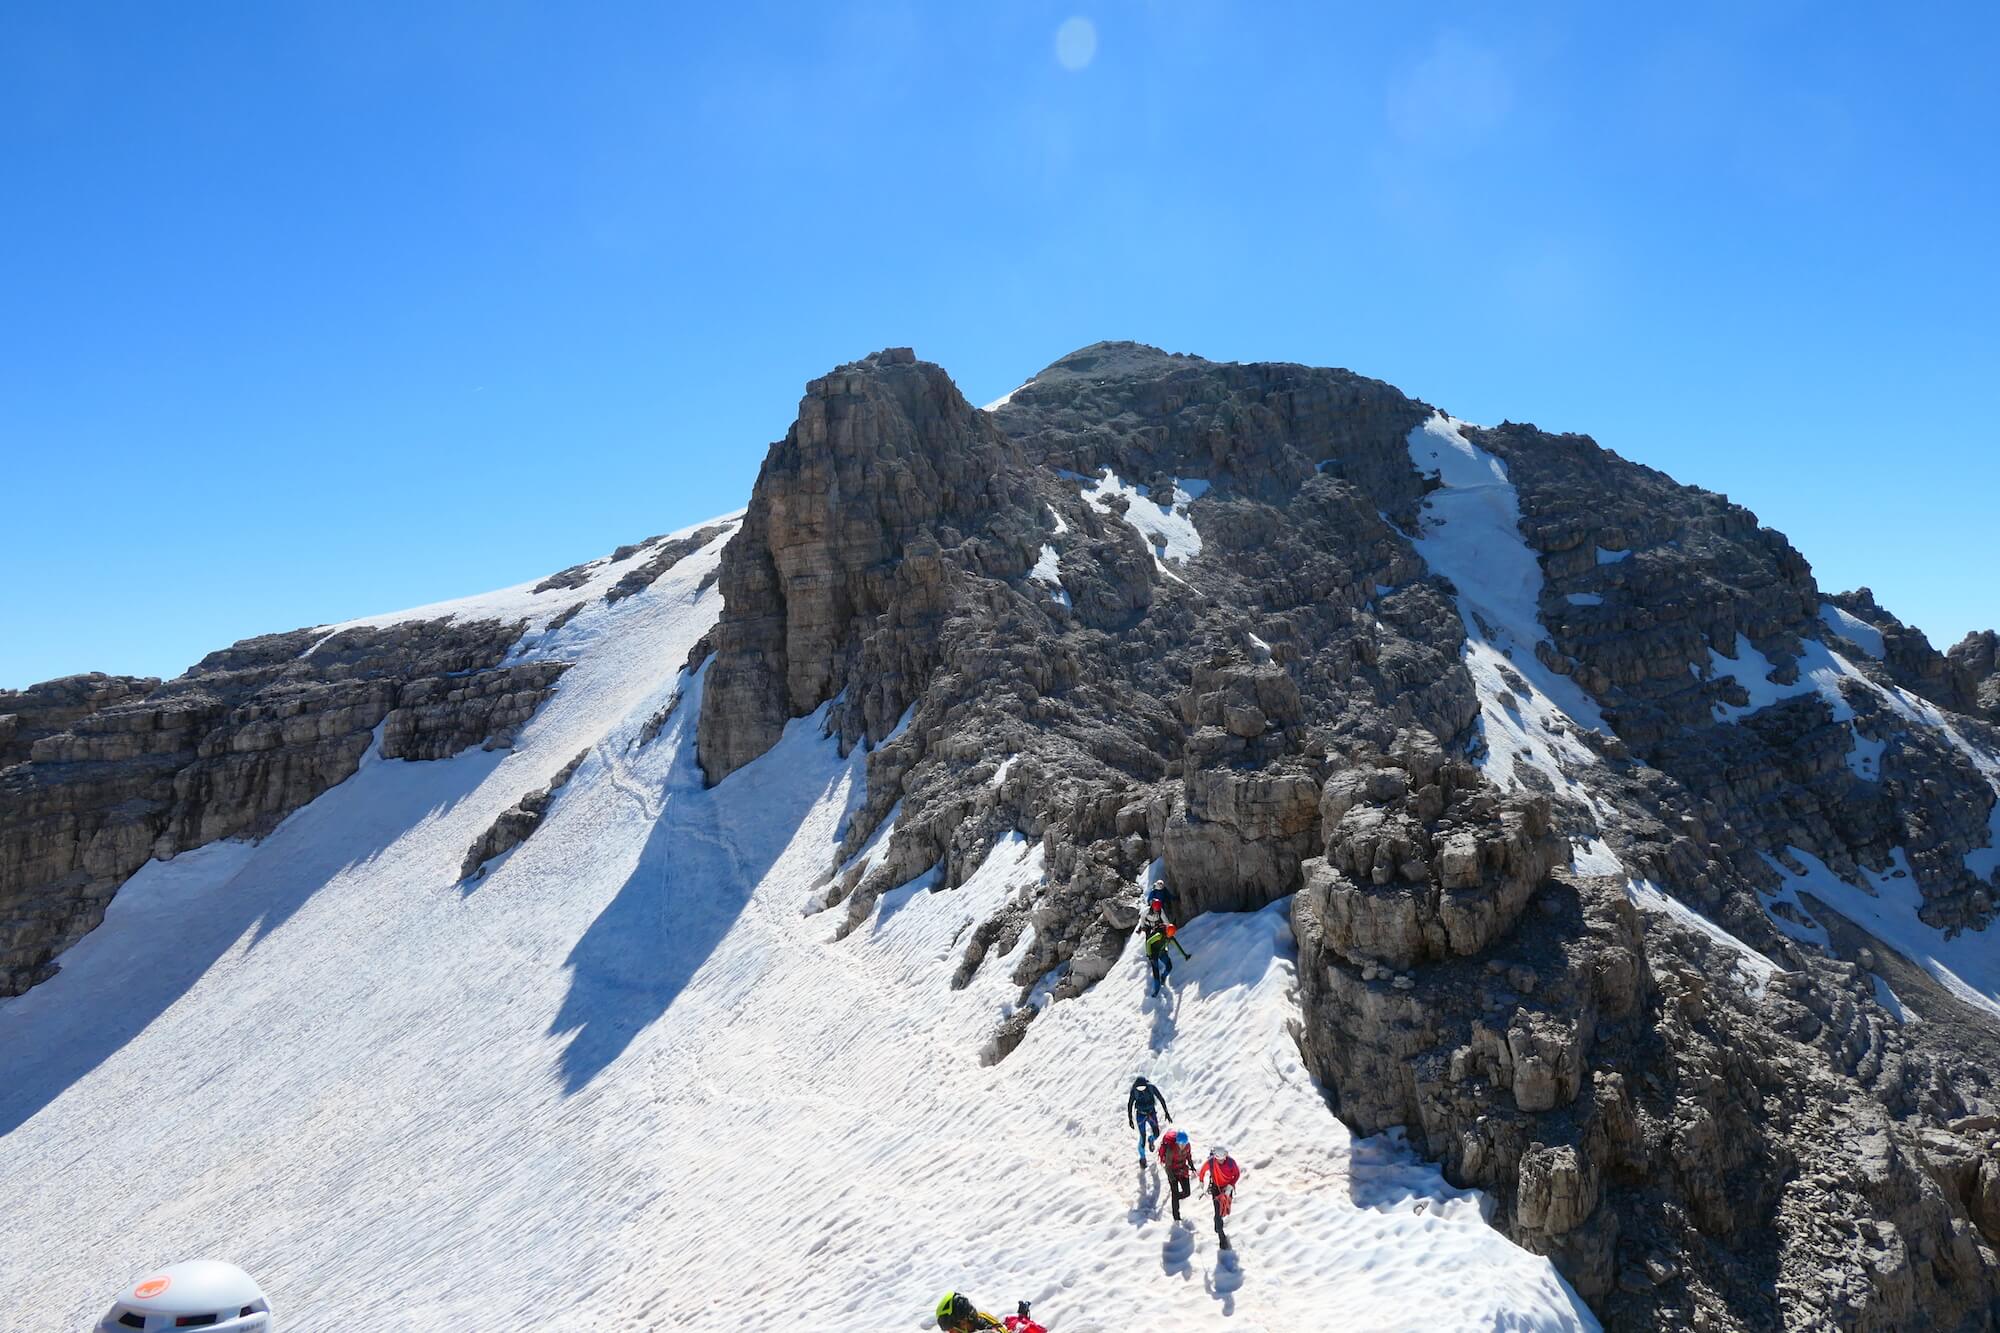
pixel 322 310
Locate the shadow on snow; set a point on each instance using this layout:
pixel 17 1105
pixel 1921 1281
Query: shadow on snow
pixel 707 852
pixel 145 956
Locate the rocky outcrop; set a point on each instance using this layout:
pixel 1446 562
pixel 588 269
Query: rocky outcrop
pixel 1975 666
pixel 140 770
pixel 1248 809
pixel 887 487
pixel 29 715
pixel 517 823
pixel 1281 707
pixel 1424 860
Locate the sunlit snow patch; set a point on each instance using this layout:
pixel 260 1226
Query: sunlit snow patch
pixel 1887 998
pixel 1470 532
pixel 1048 572
pixel 1753 969
pixel 521 602
pixel 1967 965
pixel 1821 671
pixel 1166 527
pixel 1853 628
pixel 1005 398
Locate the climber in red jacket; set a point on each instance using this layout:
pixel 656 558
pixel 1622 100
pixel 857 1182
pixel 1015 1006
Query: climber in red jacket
pixel 1177 1156
pixel 1019 1322
pixel 1221 1174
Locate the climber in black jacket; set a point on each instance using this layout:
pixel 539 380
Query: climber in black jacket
pixel 1144 1105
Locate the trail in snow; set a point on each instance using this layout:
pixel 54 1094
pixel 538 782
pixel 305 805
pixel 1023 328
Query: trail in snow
pixel 623 1082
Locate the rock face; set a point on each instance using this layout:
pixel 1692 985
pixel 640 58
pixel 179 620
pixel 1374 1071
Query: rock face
pixel 1166 616
pixel 1975 665
pixel 120 771
pixel 886 486
pixel 29 715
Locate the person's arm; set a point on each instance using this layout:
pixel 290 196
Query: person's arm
pixel 1163 1104
pixel 1130 1123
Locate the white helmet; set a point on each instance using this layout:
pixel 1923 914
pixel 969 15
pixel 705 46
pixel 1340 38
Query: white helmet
pixel 205 1293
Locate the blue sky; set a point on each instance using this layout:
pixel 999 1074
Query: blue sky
pixel 323 310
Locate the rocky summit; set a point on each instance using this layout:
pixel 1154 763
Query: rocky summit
pixel 1645 885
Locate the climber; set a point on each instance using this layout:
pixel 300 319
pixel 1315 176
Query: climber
pixel 1159 963
pixel 1144 1106
pixel 1155 922
pixel 957 1314
pixel 1221 1173
pixel 1020 1322
pixel 1178 1157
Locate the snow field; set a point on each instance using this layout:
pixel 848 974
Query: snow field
pixel 621 1081
pixel 1856 630
pixel 522 602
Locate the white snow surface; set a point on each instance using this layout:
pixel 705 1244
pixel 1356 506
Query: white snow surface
pixel 1753 968
pixel 1470 532
pixel 1048 572
pixel 1166 528
pixel 621 1082
pixel 1005 398
pixel 1887 998
pixel 1885 905
pixel 522 602
pixel 1852 627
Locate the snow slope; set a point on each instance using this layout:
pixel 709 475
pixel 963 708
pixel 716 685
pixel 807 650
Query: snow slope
pixel 623 1082
pixel 1471 534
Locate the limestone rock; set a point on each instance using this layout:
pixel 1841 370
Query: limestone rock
pixel 119 771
